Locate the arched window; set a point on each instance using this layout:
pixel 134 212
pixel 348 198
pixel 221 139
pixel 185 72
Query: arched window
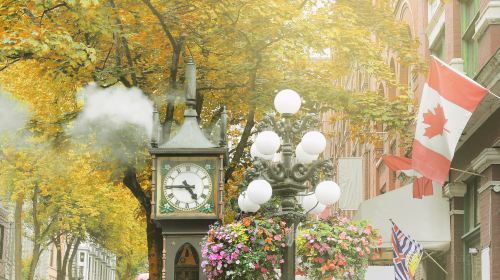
pixel 392 89
pixel 379 127
pixel 187 263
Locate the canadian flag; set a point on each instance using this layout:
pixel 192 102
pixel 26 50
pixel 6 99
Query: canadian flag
pixel 448 100
pixel 421 186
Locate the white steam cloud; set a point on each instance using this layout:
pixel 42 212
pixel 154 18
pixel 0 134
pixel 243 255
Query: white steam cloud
pixel 115 108
pixel 118 120
pixel 13 115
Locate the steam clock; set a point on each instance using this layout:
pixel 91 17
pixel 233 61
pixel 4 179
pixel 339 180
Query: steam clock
pixel 187 187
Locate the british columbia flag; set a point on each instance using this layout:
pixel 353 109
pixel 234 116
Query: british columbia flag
pixel 407 254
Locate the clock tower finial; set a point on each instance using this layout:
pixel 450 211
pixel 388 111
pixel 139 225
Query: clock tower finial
pixel 190 81
pixel 189 134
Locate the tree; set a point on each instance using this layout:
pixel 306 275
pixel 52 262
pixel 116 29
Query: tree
pixel 244 52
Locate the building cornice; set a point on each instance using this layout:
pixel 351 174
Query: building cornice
pixel 490 16
pixel 455 189
pixel 486 158
pixel 488 185
pixel 488 76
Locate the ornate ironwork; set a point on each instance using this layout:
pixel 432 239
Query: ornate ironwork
pixel 288 178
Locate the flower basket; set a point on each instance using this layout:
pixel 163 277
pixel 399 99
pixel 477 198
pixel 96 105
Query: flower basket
pixel 335 248
pixel 248 249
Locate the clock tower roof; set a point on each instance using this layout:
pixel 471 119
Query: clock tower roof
pixel 189 135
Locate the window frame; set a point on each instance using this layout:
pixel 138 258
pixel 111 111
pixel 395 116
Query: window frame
pixel 469 13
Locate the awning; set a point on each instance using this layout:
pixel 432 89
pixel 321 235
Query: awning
pixel 426 220
pixel 379 272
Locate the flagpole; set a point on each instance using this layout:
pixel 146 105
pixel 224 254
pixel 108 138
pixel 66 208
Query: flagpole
pixel 498 97
pixel 428 255
pixel 467 172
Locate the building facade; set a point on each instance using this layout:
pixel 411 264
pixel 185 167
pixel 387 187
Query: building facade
pixel 6 249
pixel 466 35
pixel 93 262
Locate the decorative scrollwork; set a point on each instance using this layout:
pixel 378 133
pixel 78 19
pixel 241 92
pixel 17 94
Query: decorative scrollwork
pixel 308 122
pixel 301 173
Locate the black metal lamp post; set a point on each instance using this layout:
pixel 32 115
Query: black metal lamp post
pixel 293 173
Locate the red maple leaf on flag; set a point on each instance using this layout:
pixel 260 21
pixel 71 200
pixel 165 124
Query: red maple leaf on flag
pixel 436 121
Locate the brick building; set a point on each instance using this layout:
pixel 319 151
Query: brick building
pixel 466 35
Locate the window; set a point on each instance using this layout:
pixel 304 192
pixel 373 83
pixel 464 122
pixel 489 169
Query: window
pixel 52 256
pixel 437 49
pixel 472 249
pixel 2 237
pixel 472 256
pixel 469 12
pixel 471 213
pixel 82 256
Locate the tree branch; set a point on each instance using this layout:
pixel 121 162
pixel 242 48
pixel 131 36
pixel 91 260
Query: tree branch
pixel 124 43
pixel 162 22
pixel 9 64
pixel 63 4
pixel 131 182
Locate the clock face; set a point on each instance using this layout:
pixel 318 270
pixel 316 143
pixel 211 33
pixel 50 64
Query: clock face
pixel 187 186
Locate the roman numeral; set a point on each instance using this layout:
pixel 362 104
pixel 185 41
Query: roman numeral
pixel 170 195
pixel 177 203
pixel 188 168
pixel 203 196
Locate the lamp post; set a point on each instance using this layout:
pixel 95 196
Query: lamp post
pixel 293 171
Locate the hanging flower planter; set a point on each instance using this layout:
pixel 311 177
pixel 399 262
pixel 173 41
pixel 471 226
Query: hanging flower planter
pixel 253 249
pixel 247 249
pixel 336 248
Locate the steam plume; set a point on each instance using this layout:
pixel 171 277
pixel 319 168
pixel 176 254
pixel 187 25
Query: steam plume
pixel 13 115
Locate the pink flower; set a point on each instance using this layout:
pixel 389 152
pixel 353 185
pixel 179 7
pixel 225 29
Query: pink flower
pixel 368 230
pixel 342 235
pixel 277 237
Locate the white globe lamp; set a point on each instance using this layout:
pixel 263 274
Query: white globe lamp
pixel 327 192
pixel 313 142
pixel 309 202
pixel 241 202
pixel 268 142
pixel 318 209
pixel 250 205
pixel 287 101
pixel 259 191
pixel 303 157
pixel 254 152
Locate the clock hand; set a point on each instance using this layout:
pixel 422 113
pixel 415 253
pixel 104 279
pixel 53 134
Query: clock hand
pixel 185 186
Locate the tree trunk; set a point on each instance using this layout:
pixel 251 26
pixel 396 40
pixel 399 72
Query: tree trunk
pixel 57 243
pixel 67 250
pixel 174 68
pixel 36 235
pixel 238 153
pixel 155 246
pixel 18 233
pixel 153 233
pixel 72 259
pixel 37 252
